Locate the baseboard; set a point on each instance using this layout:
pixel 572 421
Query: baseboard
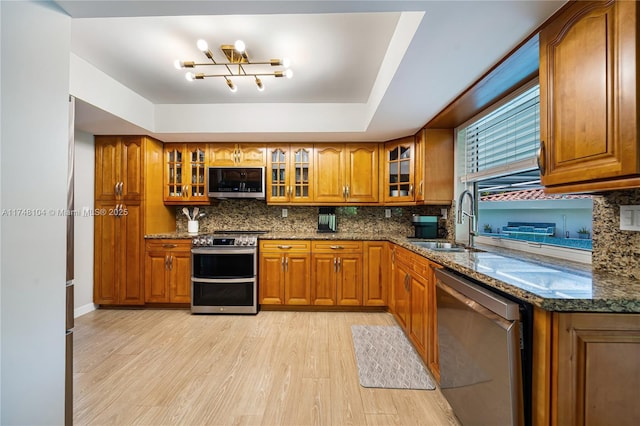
pixel 85 309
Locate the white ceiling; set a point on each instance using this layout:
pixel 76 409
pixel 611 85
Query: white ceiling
pixel 363 70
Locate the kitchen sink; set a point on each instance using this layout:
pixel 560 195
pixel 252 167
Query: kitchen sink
pixel 439 246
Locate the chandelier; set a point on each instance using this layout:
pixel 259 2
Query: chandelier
pixel 237 65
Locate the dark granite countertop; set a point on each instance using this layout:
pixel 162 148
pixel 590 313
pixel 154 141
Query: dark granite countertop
pixel 548 283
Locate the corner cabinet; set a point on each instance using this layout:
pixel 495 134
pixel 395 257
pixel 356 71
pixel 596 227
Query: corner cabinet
pixel 588 98
pixel 289 173
pixel 128 204
pixel 399 170
pixel 185 174
pixel 167 271
pixel 434 166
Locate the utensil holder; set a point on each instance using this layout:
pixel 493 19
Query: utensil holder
pixel 193 226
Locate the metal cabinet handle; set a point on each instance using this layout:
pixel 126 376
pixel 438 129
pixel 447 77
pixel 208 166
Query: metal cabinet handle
pixel 339 264
pixel 336 247
pixel 284 247
pixel 411 189
pixel 282 262
pixel 286 264
pixel 348 191
pixel 335 265
pixel 393 256
pixel 166 262
pixel 121 188
pixel 540 158
pixel 169 245
pixel 185 191
pixel 171 263
pixel 421 188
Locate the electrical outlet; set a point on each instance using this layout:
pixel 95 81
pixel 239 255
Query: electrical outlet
pixel 285 213
pixel 443 213
pixel 387 213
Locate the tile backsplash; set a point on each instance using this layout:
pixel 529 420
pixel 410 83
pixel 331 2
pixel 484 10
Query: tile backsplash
pixel 257 215
pixel 615 251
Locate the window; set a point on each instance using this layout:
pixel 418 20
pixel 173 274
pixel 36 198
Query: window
pixel 497 160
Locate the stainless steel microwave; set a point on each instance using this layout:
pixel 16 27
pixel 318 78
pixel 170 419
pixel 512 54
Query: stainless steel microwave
pixel 236 182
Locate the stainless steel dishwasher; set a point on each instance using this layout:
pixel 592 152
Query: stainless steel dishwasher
pixel 480 351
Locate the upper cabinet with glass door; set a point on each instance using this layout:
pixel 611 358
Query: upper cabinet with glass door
pixel 289 168
pixel 185 174
pixel 399 163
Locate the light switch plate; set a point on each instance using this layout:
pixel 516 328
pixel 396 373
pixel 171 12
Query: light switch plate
pixel 387 213
pixel 285 213
pixel 630 218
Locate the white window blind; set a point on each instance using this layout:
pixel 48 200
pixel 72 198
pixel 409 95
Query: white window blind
pixel 504 141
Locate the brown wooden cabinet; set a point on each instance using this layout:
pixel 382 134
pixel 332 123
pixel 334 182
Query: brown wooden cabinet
pixel 167 271
pixel 185 174
pixel 376 273
pixel 399 171
pixel 586 368
pixel 336 273
pixel 401 287
pixel 434 166
pixel 289 174
pixel 588 98
pixel 247 154
pixel 128 204
pixel 284 272
pixel 346 173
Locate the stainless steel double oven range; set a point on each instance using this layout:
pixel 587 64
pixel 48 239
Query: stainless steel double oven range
pixel 224 273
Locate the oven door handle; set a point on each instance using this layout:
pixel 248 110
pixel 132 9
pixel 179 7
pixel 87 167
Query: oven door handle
pixel 220 250
pixel 222 280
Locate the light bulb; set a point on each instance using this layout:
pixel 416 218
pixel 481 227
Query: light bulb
pixel 232 86
pixel 288 73
pixel 239 46
pixel 178 64
pixel 202 45
pixel 259 84
pixel 189 76
pixel 286 62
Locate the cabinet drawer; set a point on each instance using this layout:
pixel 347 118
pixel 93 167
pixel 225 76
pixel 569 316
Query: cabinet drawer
pixel 403 255
pixel 168 244
pixel 288 246
pixel 336 246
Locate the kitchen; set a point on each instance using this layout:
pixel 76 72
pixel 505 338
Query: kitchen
pixel 613 250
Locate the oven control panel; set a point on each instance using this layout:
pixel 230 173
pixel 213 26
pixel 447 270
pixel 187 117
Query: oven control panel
pixel 217 240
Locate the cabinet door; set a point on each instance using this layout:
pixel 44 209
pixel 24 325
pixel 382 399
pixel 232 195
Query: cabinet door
pixel 349 280
pixel 251 155
pixel 156 277
pixel 399 171
pixel 588 105
pixel 277 185
pixel 174 173
pixel 436 160
pixel 376 274
pixel 328 181
pixel 323 275
pixel 418 311
pixel 222 154
pixel 195 169
pixel 361 174
pixel 297 289
pixel 272 280
pixel 598 372
pixel 301 174
pixel 180 276
pixel 106 254
pixel 132 162
pixel 131 251
pixel 107 174
pixel 401 294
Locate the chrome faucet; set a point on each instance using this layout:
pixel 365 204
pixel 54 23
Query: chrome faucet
pixel 470 215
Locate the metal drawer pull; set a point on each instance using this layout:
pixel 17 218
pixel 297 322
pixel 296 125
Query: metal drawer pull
pixel 284 247
pixel 169 245
pixel 336 247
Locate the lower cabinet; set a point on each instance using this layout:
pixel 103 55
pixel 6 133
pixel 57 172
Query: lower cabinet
pixel 585 365
pixel 167 271
pixel 336 273
pixel 375 273
pixel 284 272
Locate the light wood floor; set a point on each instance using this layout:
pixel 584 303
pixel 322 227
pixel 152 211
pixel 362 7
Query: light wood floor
pixel 277 368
